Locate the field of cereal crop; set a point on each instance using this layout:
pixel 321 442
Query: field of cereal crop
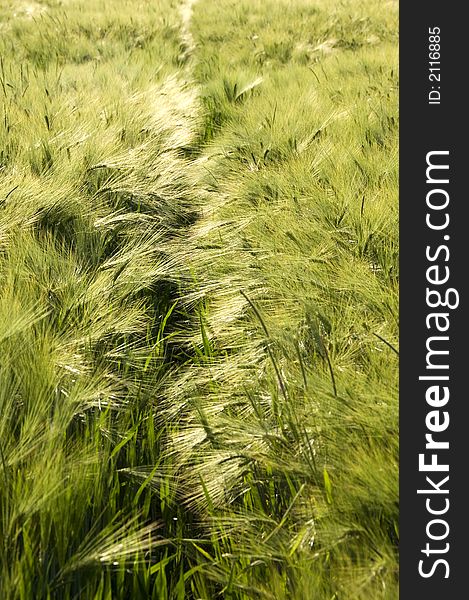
pixel 199 300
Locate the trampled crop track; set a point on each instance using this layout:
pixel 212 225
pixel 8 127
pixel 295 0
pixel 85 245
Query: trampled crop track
pixel 187 39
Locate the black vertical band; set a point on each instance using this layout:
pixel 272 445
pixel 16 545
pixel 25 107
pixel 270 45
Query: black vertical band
pixel 434 242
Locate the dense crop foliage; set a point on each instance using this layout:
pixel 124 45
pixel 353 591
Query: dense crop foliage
pixel 198 300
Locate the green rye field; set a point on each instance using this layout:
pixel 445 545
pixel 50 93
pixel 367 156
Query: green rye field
pixel 199 300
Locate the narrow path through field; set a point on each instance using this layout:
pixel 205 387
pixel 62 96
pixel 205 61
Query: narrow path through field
pixel 187 39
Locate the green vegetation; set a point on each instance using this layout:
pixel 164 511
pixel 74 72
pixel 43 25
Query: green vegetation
pixel 199 300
